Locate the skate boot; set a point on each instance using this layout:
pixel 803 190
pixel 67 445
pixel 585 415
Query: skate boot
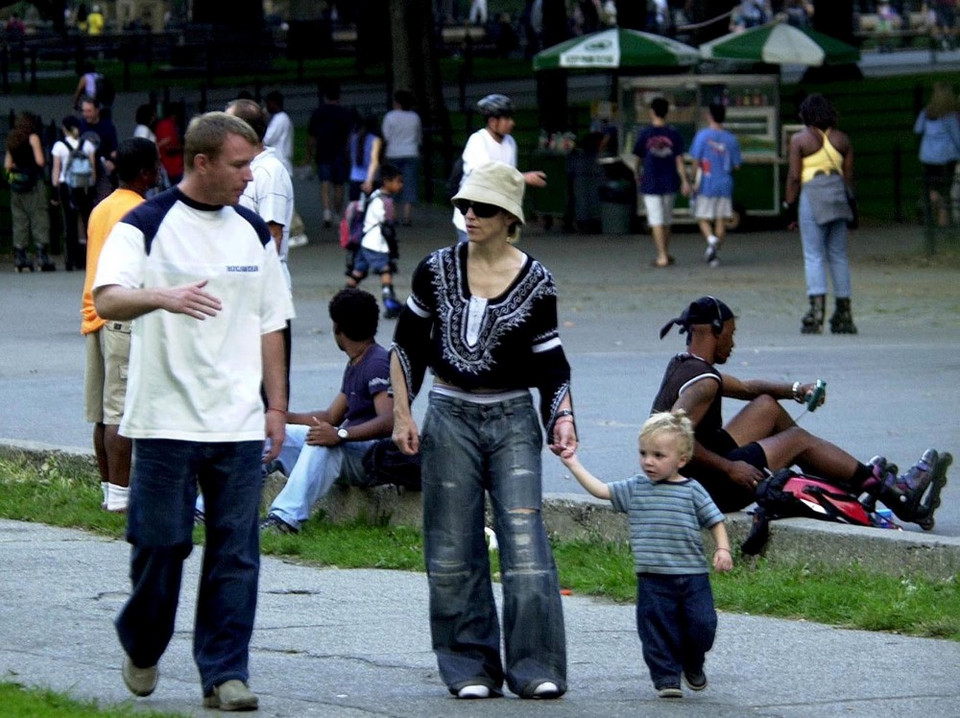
pixel 842 320
pixel 812 321
pixel 46 264
pixel 883 472
pixel 20 259
pixel 391 307
pixel 916 495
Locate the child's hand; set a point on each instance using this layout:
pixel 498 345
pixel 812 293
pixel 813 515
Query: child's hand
pixel 722 559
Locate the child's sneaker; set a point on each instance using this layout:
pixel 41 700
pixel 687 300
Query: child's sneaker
pixel 695 681
pixel 669 692
pixel 391 308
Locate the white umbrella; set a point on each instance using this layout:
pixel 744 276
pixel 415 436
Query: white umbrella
pixel 616 49
pixel 780 44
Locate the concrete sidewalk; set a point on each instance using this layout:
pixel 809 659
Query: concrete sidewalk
pixel 335 643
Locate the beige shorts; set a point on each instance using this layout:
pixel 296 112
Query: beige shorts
pixel 713 208
pixel 105 377
pixel 659 209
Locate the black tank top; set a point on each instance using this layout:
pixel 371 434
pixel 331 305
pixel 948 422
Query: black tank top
pixel 683 370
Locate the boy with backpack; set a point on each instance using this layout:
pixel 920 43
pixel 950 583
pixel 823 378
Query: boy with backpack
pixel 676 619
pixel 368 233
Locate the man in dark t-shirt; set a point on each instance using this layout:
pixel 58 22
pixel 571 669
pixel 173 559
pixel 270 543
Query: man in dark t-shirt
pixel 731 459
pixel 327 134
pixel 93 121
pixel 660 174
pixel 327 445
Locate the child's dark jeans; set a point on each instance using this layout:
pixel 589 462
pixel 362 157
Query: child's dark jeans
pixel 676 622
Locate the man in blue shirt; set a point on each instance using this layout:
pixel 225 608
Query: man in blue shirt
pixel 717 154
pixel 660 173
pixel 323 445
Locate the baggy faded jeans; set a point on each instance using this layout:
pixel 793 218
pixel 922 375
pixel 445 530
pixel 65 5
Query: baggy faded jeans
pixel 469 450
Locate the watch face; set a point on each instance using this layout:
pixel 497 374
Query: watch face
pixel 342 433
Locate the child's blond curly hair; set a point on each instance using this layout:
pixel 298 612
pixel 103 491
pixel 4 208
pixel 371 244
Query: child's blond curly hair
pixel 671 422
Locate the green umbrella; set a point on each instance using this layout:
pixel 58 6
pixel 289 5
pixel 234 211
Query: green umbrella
pixel 616 49
pixel 780 44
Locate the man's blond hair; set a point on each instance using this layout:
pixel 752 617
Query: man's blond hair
pixel 671 422
pixel 206 134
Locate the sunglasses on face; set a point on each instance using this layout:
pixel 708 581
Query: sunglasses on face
pixel 481 210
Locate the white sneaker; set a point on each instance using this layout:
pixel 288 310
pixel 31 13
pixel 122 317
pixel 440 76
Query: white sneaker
pixel 547 689
pixel 327 217
pixel 476 690
pixel 298 240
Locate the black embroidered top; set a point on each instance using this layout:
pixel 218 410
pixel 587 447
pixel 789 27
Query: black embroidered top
pixel 504 343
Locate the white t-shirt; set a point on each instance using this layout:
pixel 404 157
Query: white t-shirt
pixel 402 132
pixel 270 195
pixel 62 149
pixel 193 380
pixel 279 136
pixel 145 132
pixel 482 148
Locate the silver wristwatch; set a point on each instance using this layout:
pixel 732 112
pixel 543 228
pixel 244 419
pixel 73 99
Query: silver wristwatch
pixel 343 434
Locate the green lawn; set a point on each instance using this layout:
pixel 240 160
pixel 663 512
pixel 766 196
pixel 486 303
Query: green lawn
pixel 64 491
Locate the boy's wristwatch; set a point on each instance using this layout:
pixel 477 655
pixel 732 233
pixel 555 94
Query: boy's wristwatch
pixel 343 434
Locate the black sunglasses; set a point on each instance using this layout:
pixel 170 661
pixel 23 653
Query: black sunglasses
pixel 481 209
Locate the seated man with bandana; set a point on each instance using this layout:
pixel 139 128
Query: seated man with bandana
pixel 730 460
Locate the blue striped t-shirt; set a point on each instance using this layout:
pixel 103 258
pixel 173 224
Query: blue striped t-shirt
pixel 665 519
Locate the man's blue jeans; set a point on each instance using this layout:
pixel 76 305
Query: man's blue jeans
pixel 469 449
pixel 314 470
pixel 163 489
pixel 676 622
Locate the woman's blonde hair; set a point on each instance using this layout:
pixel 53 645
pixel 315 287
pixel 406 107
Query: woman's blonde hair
pixel 943 101
pixel 671 422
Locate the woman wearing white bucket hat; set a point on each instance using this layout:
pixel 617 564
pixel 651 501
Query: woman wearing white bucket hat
pixel 483 316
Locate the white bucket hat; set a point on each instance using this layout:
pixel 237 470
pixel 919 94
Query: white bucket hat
pixel 495 183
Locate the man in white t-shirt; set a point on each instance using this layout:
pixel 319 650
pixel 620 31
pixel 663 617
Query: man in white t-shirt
pixel 279 133
pixel 403 133
pixel 493 143
pixel 270 195
pixel 279 136
pixel 198 276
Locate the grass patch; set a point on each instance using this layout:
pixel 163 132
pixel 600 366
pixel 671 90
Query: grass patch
pixel 21 702
pixel 62 490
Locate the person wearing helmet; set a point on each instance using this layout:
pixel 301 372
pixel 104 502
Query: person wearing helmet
pixel 493 143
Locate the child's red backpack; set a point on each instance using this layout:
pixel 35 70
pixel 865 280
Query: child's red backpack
pixel 351 224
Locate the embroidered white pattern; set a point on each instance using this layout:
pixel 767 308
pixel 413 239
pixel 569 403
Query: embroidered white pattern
pixel 468 347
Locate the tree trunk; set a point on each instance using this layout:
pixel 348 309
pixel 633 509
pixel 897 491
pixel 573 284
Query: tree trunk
pixel 835 18
pixel 416 67
pixel 554 22
pixel 631 15
pixel 245 14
